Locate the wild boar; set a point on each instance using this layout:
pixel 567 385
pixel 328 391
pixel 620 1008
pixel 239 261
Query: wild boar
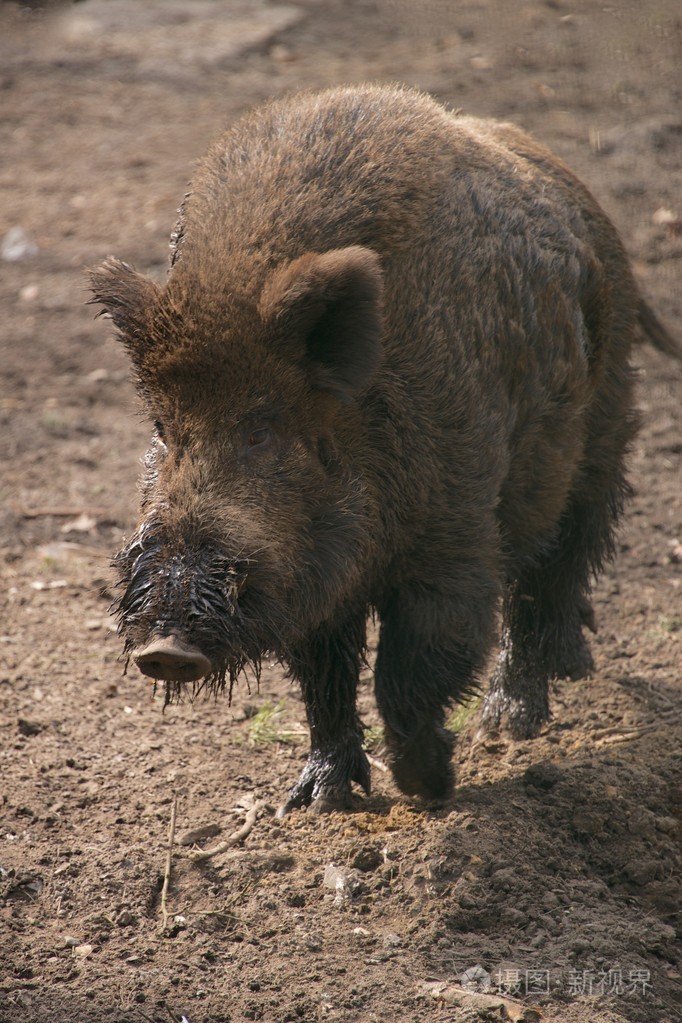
pixel 388 373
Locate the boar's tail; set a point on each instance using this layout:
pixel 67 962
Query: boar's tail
pixel 655 333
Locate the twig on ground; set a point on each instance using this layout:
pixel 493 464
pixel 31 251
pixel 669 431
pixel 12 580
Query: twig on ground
pixel 169 859
pixel 376 763
pixel 235 838
pixel 58 511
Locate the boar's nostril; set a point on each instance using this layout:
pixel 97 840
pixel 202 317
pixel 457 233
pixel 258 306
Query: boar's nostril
pixel 170 660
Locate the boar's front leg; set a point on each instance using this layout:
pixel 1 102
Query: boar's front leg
pixel 328 668
pixel 433 646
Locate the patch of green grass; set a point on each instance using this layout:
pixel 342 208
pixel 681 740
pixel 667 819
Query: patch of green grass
pixel 460 715
pixel 266 727
pixel 670 623
pixel 373 738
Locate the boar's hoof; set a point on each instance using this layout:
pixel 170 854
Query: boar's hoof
pixel 421 764
pixel 326 803
pixel 325 782
pixel 514 716
pixel 168 659
pixel 577 662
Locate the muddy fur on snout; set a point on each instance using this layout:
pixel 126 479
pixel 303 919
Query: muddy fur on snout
pixel 165 589
pixel 388 373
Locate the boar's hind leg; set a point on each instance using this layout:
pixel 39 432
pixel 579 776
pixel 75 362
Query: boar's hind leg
pixel 328 669
pixel 542 639
pixel 547 606
pixel 423 666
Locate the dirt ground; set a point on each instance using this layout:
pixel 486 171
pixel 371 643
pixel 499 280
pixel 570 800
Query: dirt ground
pixel 556 870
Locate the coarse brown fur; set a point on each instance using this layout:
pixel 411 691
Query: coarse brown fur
pixel 389 371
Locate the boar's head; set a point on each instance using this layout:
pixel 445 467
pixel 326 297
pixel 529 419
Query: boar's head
pixel 255 518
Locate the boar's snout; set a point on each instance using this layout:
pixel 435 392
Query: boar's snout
pixel 168 659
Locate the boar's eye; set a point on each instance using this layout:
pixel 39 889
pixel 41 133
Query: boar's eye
pixel 258 438
pixel 160 432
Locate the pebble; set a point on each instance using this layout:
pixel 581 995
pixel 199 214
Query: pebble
pixel 346 883
pixel 475 979
pixel 97 376
pixel 17 245
pixel 29 728
pixel 281 54
pixel 199 834
pixel 29 293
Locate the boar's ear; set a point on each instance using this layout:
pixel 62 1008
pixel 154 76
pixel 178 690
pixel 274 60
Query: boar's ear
pixel 128 297
pixel 327 311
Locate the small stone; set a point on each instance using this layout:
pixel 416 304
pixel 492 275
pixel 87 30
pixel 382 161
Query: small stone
pixel 495 746
pixel 70 941
pixel 346 883
pixel 281 54
pixel 199 834
pixel 475 979
pixel 663 216
pixel 29 728
pixel 84 523
pixel 83 951
pixel 29 293
pixel 97 376
pixel 17 245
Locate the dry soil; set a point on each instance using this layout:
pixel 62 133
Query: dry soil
pixel 555 871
